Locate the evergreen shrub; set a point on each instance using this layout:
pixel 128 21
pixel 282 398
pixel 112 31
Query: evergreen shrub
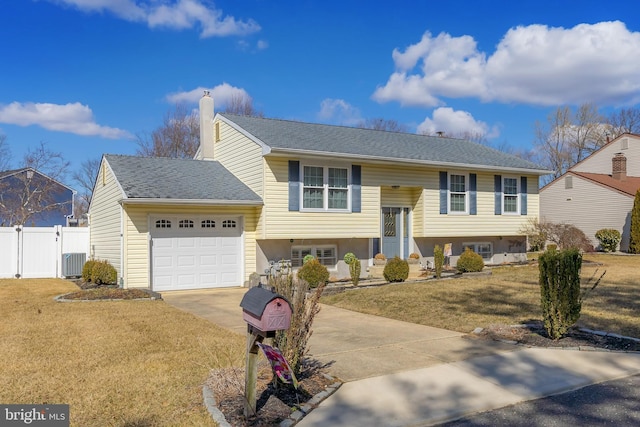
pixel 560 290
pixel 469 262
pixel 396 270
pixel 313 273
pixel 609 239
pixel 438 260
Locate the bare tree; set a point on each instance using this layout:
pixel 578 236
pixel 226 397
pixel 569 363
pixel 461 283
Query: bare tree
pixel 178 136
pixel 379 123
pixel 625 120
pixel 5 153
pixel 86 178
pixel 568 137
pixel 242 105
pixel 35 189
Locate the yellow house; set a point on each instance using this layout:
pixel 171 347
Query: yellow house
pixel 262 190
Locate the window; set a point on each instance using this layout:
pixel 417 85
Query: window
pixel 228 223
pixel 325 188
pixel 326 255
pixel 163 223
pixel 208 223
pixel 457 193
pixel 483 249
pixel 510 195
pixel 568 182
pixel 185 223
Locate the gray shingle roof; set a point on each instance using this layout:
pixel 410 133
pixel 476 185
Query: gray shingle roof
pixel 181 179
pixel 284 135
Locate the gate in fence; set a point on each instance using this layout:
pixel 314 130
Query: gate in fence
pixel 41 252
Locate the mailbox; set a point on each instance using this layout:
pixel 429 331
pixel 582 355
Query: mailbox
pixel 266 311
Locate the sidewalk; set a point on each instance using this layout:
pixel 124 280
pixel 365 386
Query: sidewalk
pixel 449 391
pixel 402 374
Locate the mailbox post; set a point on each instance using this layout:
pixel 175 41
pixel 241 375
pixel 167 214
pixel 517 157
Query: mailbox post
pixel 265 312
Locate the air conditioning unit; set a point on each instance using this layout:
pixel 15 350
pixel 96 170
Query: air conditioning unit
pixel 72 264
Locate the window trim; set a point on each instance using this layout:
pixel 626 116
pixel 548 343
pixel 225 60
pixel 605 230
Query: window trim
pixel 466 194
pixel 474 247
pixel 325 187
pixel 517 195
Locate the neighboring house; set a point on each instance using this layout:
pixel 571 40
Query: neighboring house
pixel 262 190
pixel 33 199
pixel 598 192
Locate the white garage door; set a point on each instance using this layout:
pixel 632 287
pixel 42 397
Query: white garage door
pixel 196 252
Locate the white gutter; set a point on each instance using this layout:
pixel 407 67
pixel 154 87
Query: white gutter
pixel 191 202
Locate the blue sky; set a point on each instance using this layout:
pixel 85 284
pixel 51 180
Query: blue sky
pixel 86 76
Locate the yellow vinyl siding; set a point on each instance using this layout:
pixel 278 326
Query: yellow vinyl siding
pixel 280 223
pixel 240 156
pixel 105 221
pixel 485 223
pixel 418 188
pixel 137 251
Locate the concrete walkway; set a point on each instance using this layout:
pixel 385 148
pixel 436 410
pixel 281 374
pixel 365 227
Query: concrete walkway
pixel 402 374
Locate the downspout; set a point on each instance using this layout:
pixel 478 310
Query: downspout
pixel 121 281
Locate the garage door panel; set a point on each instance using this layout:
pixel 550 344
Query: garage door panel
pixel 196 258
pixel 186 261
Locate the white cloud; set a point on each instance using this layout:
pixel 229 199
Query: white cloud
pixel 176 15
pixel 73 118
pixel 262 44
pixel 533 64
pixel 222 94
pixel 456 123
pixel 339 111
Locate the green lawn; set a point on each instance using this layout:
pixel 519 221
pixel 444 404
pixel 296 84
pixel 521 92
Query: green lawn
pixel 511 295
pixel 118 363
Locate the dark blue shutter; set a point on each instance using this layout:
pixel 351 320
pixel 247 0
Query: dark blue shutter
pixel 443 192
pixel 497 188
pixel 356 188
pixel 294 185
pixel 473 205
pixel 523 195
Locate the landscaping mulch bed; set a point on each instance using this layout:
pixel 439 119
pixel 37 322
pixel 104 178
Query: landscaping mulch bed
pixel 275 403
pixel 534 334
pixel 92 292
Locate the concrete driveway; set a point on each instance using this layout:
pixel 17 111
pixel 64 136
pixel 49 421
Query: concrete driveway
pixel 353 345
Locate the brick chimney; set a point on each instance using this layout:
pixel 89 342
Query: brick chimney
pixel 619 167
pixel 206 126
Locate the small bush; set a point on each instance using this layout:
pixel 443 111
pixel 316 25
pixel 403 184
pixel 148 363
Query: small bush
pixel 314 273
pixel 354 267
pixel 438 260
pixel 87 269
pixel 380 257
pixel 293 341
pixel 103 273
pixel 609 239
pixel 396 270
pixel 469 262
pixel 307 258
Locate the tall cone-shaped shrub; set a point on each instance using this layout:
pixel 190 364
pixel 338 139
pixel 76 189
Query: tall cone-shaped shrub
pixel 634 240
pixel 438 260
pixel 560 290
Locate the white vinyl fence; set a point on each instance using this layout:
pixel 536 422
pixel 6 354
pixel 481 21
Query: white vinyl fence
pixel 41 252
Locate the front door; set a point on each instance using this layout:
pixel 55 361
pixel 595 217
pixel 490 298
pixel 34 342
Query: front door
pixel 391 232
